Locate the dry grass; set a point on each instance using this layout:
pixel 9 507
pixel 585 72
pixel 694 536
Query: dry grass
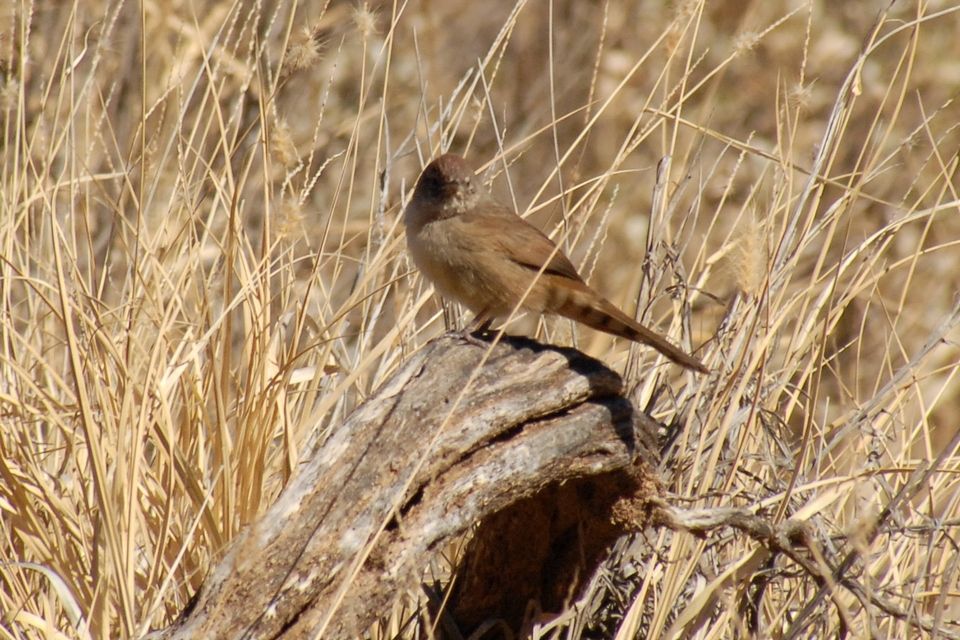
pixel 202 268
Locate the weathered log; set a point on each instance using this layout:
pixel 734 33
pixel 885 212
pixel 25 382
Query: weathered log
pixel 412 467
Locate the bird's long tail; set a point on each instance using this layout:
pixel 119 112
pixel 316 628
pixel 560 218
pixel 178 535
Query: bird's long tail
pixel 597 313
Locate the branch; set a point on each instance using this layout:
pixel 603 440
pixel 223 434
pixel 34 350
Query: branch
pixel 403 475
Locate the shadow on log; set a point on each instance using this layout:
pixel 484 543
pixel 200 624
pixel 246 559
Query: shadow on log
pixel 542 451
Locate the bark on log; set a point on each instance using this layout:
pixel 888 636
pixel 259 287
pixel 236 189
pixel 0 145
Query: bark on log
pixel 401 476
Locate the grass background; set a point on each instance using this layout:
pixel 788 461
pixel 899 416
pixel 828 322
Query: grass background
pixel 202 267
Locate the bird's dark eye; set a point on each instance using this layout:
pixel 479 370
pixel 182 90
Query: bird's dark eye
pixel 432 182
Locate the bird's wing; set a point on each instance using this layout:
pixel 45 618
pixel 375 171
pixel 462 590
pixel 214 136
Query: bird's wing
pixel 524 244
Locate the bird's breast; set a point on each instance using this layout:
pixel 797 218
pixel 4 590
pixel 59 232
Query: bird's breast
pixel 463 264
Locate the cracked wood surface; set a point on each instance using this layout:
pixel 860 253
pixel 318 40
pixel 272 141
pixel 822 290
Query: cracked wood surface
pixel 402 475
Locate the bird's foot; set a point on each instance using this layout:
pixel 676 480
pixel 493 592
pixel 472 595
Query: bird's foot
pixel 477 332
pixel 476 337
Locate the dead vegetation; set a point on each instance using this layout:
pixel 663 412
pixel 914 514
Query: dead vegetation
pixel 201 271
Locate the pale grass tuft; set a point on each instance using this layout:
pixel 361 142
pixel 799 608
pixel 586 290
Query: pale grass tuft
pixel 303 50
pixel 746 41
pixel 749 259
pixel 290 219
pixel 9 94
pixel 282 147
pixel 365 20
pixel 801 95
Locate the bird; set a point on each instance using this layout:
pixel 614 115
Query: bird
pixel 483 255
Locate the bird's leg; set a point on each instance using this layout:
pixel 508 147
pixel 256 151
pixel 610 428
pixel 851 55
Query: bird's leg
pixel 480 324
pixel 476 329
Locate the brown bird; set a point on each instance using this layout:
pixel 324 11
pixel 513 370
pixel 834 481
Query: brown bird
pixel 483 255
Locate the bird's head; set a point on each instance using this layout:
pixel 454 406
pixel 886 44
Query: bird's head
pixel 449 184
